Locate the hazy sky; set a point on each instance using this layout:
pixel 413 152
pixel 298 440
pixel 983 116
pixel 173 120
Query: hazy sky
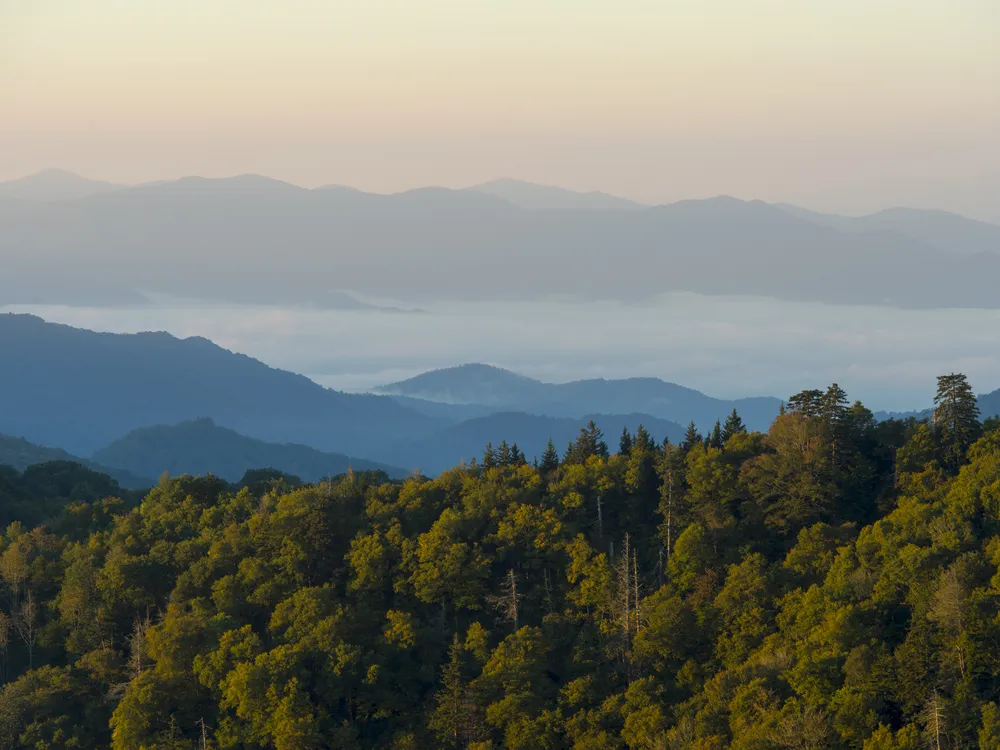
pixel 836 104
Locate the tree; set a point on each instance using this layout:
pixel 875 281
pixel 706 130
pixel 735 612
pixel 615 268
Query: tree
pixel 733 426
pixel 716 441
pixel 956 418
pixel 625 442
pixel 550 459
pixel 451 717
pixel 590 442
pixel 691 437
pixel 793 483
pixel 671 469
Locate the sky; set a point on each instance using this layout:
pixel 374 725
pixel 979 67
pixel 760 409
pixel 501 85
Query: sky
pixel 841 105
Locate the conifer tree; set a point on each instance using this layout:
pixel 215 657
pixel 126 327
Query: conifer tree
pixel 956 418
pixel 489 457
pixel 625 442
pixel 732 426
pixel 550 459
pixel 716 439
pixel 809 403
pixel 449 718
pixel 691 438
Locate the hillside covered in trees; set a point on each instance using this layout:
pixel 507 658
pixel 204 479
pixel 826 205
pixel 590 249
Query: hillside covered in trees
pixel 830 583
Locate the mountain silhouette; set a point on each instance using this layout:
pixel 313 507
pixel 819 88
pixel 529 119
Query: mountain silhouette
pixel 253 239
pixel 80 390
pixel 486 386
pixel 203 447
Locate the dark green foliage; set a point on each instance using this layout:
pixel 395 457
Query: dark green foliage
pixel 828 584
pixel 956 417
pixel 733 426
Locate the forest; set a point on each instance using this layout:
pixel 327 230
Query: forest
pixel 832 582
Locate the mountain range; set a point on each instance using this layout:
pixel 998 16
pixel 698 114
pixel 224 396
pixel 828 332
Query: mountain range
pixel 486 387
pixel 80 390
pixel 135 405
pixel 254 239
pixel 96 397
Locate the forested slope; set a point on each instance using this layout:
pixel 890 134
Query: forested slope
pixel 832 583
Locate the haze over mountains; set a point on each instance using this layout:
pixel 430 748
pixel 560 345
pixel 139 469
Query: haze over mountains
pixel 253 239
pixel 134 405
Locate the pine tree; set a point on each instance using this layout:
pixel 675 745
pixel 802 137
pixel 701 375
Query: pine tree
pixel 716 439
pixel 625 442
pixel 550 459
pixel 643 440
pixel 732 426
pixel 489 457
pixel 833 406
pixel 503 454
pixel 517 457
pixel 808 403
pixel 449 718
pixel 691 438
pixel 590 442
pixel 956 418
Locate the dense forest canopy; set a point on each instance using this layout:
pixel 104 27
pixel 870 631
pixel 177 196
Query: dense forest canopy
pixel 831 583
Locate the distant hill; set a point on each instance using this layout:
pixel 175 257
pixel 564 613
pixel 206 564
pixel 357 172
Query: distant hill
pixel 989 404
pixel 531 432
pixel 20 454
pixel 939 229
pixel 494 387
pixel 203 447
pixel 252 239
pixel 80 390
pixel 55 185
pixel 531 196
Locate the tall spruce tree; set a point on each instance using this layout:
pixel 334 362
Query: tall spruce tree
pixel 691 437
pixel 716 440
pixel 550 459
pixel 956 418
pixel 625 442
pixel 732 426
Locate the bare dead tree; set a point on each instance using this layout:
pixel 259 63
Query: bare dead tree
pixel 26 625
pixel 507 602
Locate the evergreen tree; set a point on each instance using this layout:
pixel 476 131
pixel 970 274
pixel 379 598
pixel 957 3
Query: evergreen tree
pixel 489 457
pixel 550 459
pixel 833 406
pixel 956 418
pixel 450 717
pixel 716 440
pixel 590 442
pixel 517 457
pixel 503 454
pixel 809 403
pixel 732 426
pixel 625 442
pixel 691 438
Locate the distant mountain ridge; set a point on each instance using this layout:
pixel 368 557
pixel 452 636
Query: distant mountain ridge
pixel 253 239
pixel 533 197
pixel 55 185
pixel 20 454
pixel 488 386
pixel 202 447
pixel 79 390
